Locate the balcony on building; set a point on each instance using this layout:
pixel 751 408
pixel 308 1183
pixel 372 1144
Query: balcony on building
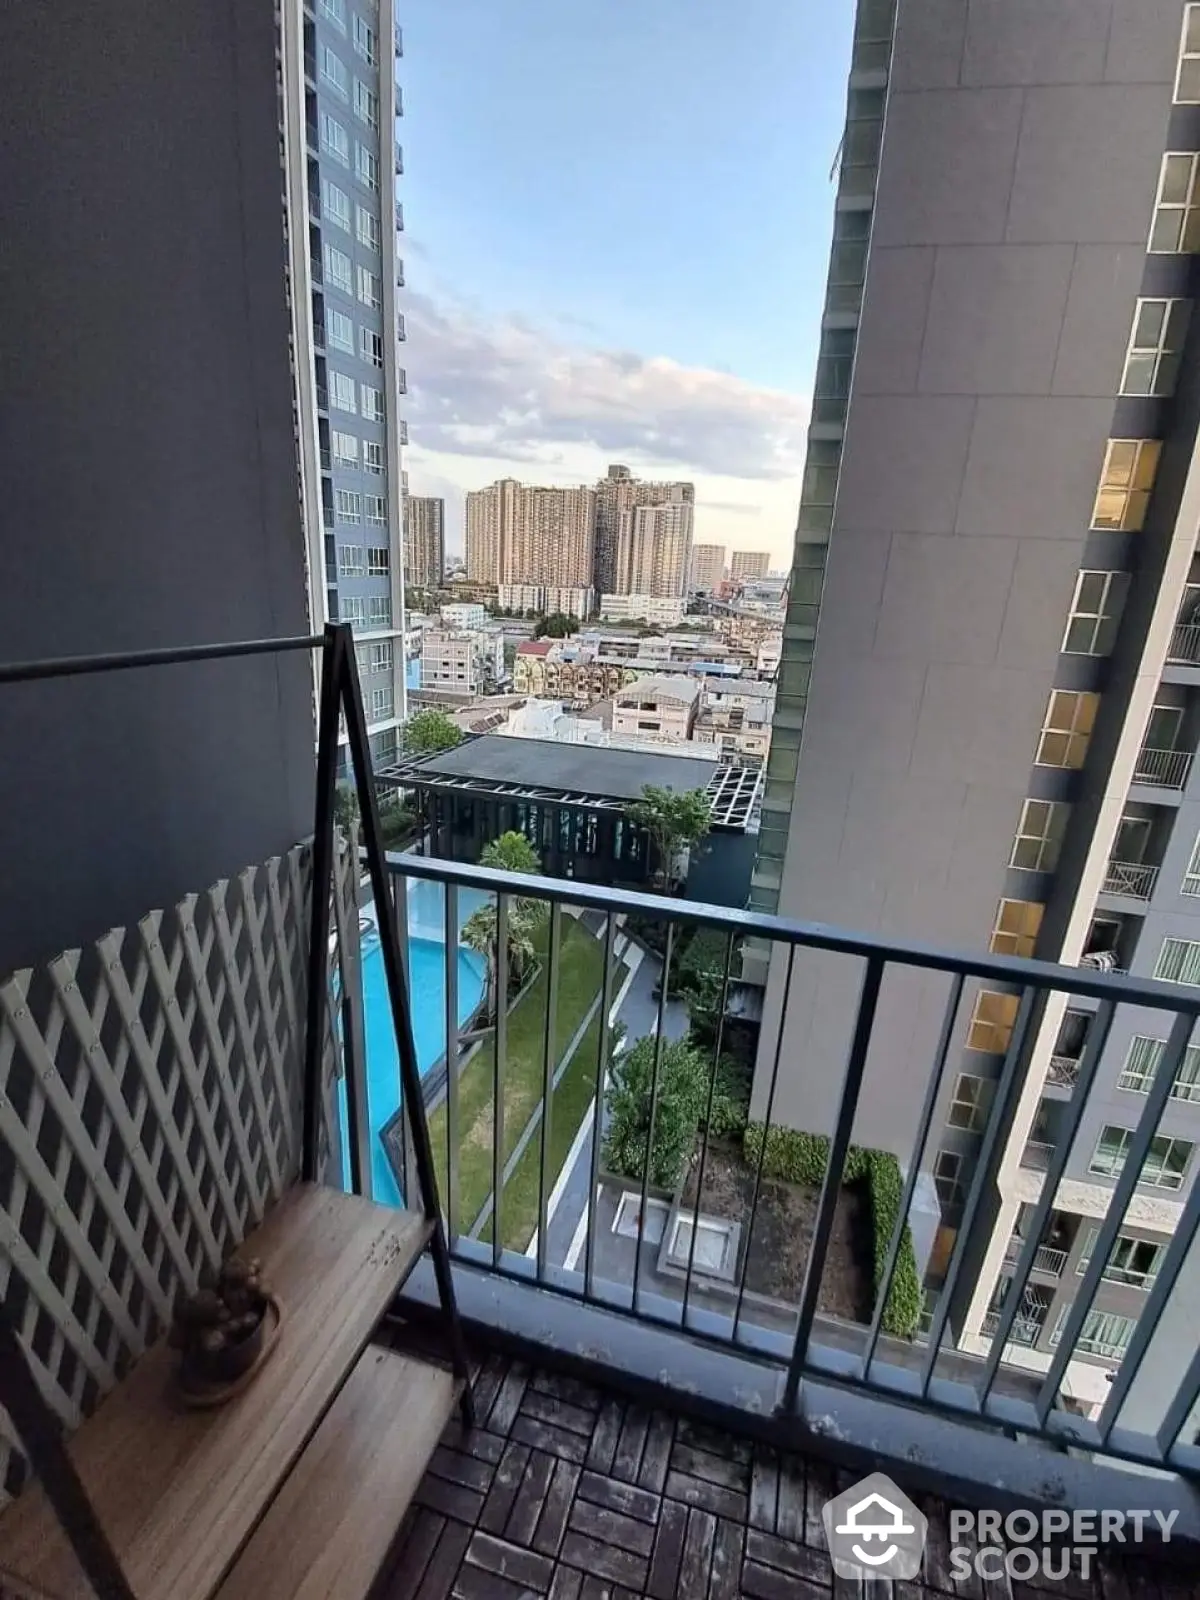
pixel 1053 1248
pixel 1183 651
pixel 1066 1058
pixel 1030 1323
pixel 1138 847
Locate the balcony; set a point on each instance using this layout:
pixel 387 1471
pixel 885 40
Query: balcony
pixel 1037 1155
pixel 1184 649
pixel 1133 879
pixel 699 1328
pixel 1046 1259
pixel 1163 769
pixel 399 161
pixel 1063 1071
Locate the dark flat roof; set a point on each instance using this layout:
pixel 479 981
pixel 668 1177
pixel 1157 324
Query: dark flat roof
pixel 579 768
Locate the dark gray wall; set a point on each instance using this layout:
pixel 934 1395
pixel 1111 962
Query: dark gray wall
pixel 148 457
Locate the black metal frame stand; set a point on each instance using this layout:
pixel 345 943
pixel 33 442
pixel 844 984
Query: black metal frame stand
pixel 35 1421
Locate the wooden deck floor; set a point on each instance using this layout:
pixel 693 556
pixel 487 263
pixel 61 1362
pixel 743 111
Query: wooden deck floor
pixel 566 1492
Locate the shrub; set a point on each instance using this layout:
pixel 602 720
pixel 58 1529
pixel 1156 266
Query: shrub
pixel 799 1157
pixel 731 1099
pixel 682 1092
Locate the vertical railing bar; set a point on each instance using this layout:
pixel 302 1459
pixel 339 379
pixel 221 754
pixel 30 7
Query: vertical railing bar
pixel 354 1046
pixel 1148 1317
pixel 598 1112
pixel 1183 1402
pixel 498 1064
pixel 712 1085
pixel 932 1091
pixel 322 874
pixel 1014 1060
pixel 548 1065
pixel 397 910
pixel 1163 1081
pixel 839 1146
pixel 660 1024
pixel 452 1047
pixel 1097 1039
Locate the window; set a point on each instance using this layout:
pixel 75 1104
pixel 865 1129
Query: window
pixel 366 42
pixel 341 392
pixel 379 557
pixel 1178 961
pixel 333 72
pixel 339 329
pixel 1176 226
pixel 1191 878
pixel 368 228
pixel 350 559
pixel 1142 1062
pixel 969 1106
pixel 379 611
pixel 1067 728
pixel 337 270
pixel 372 455
pixel 1095 613
pixel 1125 484
pixel 372 403
pixel 353 610
pixel 1039 836
pixel 335 205
pixel 370 346
pixel 1133 1261
pixel 370 290
pixel 947 1178
pixel 366 168
pixel 375 507
pixel 1155 346
pixel 383 703
pixel 381 657
pixel 349 509
pixel 1104 1333
pixel 335 139
pixel 345 449
pixel 335 10
pixel 1016 927
pixel 1165 1164
pixel 366 104
pixel 992 1023
pixel 1187 79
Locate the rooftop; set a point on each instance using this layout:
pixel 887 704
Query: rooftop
pixel 664 686
pixel 535 647
pixel 544 764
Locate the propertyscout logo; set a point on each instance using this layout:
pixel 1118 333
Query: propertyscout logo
pixel 875 1531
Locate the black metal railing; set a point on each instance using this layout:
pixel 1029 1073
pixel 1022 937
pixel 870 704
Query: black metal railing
pixel 518 1087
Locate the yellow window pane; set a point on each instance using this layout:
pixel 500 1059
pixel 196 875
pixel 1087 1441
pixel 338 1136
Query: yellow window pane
pixel 1147 463
pixel 992 1022
pixel 1119 463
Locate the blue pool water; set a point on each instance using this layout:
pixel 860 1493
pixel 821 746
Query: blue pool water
pixel 427 969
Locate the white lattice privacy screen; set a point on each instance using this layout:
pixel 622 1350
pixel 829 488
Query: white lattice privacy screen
pixel 150 1111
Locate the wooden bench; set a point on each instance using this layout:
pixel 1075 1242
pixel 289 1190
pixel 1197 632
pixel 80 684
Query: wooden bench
pixel 295 1487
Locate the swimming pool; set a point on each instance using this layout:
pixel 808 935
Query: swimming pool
pixel 427 986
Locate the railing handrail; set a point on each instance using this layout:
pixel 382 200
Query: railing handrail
pixel 1018 970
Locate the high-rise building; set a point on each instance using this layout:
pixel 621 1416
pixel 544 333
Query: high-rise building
pixel 341 102
pixel 654 550
pixel 424 540
pixel 617 492
pixel 519 533
pixel 708 567
pixel 746 565
pixel 989 741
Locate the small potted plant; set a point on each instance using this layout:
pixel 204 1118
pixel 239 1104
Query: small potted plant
pixel 221 1328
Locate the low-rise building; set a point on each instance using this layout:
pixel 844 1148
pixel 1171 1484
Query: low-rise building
pixel 466 661
pixel 568 671
pixel 546 599
pixel 735 717
pixel 663 611
pixel 663 708
pixel 463 614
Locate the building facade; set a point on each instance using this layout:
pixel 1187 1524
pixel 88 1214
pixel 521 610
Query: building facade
pixel 463 660
pixel 463 614
pixel 546 599
pixel 520 533
pixel 568 672
pixel 341 102
pixel 654 550
pixel 657 609
pixel 987 711
pixel 746 565
pixel 662 708
pixel 708 567
pixel 424 541
pixel 619 492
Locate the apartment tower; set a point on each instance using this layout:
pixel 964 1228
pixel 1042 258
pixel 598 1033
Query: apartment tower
pixel 618 492
pixel 989 693
pixel 708 567
pixel 519 533
pixel 342 161
pixel 747 565
pixel 424 540
pixel 654 550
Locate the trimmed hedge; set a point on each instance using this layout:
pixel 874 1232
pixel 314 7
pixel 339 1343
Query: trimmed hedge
pixel 798 1157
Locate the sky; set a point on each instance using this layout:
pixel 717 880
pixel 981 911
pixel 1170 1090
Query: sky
pixel 617 221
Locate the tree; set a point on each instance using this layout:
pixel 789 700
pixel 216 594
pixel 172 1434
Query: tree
pixel 557 626
pixel 682 1092
pixel 479 934
pixel 512 852
pixel 675 819
pixel 431 730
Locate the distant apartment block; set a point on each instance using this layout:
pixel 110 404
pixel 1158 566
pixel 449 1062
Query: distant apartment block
pixel 342 161
pixel 656 609
pixel 527 534
pixel 463 614
pixel 546 599
pixel 708 567
pixel 746 565
pixel 424 540
pixel 989 739
pixel 660 708
pixel 654 550
pixel 619 492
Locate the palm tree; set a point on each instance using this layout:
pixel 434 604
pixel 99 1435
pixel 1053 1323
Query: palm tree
pixel 479 934
pixel 512 852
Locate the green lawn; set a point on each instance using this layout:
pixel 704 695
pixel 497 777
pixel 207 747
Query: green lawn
pixel 578 977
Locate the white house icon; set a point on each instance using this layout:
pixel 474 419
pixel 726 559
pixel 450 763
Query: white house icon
pixel 875 1517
